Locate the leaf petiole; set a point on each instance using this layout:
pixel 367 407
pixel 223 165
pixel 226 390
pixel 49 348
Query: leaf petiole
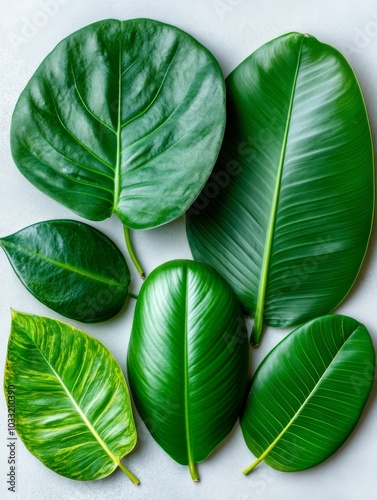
pixel 257 330
pixel 132 253
pixel 129 474
pixel 194 472
pixel 252 466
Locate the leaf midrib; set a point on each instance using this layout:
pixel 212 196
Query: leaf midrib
pixel 119 126
pixel 76 407
pixel 261 299
pixel 62 265
pixel 303 405
pixel 186 374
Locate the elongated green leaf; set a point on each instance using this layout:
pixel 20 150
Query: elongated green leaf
pixel 70 267
pixel 307 395
pixel 122 117
pixel 188 360
pixel 289 208
pixel 73 410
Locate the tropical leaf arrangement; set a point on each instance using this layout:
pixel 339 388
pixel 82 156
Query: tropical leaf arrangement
pixel 128 118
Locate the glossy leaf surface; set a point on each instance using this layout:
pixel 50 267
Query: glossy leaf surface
pixel 287 215
pixel 71 268
pixel 308 393
pixel 73 410
pixel 122 117
pixel 188 359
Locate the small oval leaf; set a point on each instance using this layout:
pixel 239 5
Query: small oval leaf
pixel 308 394
pixel 188 359
pixel 70 267
pixel 122 117
pixel 73 410
pixel 286 217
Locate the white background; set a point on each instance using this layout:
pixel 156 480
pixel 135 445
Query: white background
pixel 231 29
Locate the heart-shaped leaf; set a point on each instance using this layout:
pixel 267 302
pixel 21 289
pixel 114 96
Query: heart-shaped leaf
pixel 73 410
pixel 71 268
pixel 308 394
pixel 122 117
pixel 289 208
pixel 188 360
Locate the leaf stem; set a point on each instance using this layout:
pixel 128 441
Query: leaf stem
pixel 132 295
pixel 252 466
pixel 129 474
pixel 194 472
pixel 132 253
pixel 257 330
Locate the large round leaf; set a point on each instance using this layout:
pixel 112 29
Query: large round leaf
pixel 72 406
pixel 308 394
pixel 289 208
pixel 123 117
pixel 188 359
pixel 71 268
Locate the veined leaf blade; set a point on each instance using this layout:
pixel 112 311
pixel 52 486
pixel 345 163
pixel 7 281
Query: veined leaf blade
pixel 70 267
pixel 188 360
pixel 73 410
pixel 308 394
pixel 123 117
pixel 290 224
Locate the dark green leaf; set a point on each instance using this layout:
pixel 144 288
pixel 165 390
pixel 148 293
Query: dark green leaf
pixel 71 268
pixel 122 117
pixel 73 410
pixel 289 208
pixel 188 360
pixel 308 394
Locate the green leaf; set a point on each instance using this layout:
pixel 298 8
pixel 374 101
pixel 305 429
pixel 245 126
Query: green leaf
pixel 122 117
pixel 308 394
pixel 188 360
pixel 288 211
pixel 73 410
pixel 71 268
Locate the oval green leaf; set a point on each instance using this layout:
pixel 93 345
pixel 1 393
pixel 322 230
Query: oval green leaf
pixel 73 410
pixel 288 211
pixel 122 117
pixel 71 268
pixel 188 360
pixel 308 394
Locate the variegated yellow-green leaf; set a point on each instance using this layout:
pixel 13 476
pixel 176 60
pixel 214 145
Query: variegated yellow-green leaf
pixel 73 410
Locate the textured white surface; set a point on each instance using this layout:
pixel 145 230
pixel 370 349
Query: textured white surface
pixel 231 29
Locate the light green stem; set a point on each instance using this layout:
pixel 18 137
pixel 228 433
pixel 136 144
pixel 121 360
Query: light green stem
pixel 132 253
pixel 257 330
pixel 252 466
pixel 129 474
pixel 194 472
